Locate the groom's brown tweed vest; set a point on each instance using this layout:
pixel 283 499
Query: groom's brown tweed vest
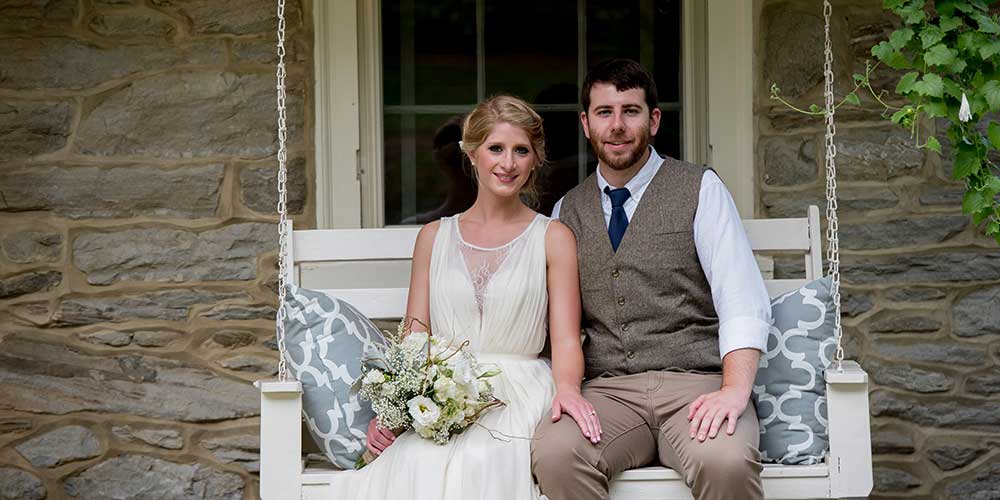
pixel 647 306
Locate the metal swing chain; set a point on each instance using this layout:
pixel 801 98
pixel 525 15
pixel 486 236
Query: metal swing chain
pixel 282 196
pixel 833 243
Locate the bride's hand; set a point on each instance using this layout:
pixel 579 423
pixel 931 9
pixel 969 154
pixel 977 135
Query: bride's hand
pixel 573 403
pixel 378 439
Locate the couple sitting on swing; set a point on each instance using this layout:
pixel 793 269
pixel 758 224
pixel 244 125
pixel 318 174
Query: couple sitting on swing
pixel 648 256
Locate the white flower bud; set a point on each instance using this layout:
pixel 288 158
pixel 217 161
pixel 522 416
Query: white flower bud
pixel 964 113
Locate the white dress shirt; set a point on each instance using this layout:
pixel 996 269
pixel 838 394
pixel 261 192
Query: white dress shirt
pixel 738 292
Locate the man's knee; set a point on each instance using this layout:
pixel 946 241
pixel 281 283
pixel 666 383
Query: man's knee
pixel 733 463
pixel 558 449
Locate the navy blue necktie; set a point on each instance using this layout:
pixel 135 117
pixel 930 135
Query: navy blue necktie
pixel 619 221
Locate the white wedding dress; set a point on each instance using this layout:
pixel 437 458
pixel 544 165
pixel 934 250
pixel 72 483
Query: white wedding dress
pixel 496 298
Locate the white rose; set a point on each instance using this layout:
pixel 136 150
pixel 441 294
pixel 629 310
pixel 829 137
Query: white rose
pixel 445 389
pixel 424 411
pixel 463 371
pixel 374 377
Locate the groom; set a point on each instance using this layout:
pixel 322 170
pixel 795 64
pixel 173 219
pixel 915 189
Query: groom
pixel 674 310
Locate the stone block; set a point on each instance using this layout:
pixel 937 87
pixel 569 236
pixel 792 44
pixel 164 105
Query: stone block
pixel 139 477
pixel 951 457
pixel 249 16
pixel 915 294
pixel 190 115
pixel 29 16
pixel 30 282
pixel 240 312
pixel 68 63
pixel 978 313
pixel 909 378
pixel 173 255
pixel 890 480
pixel 890 441
pixel 231 339
pixel 20 485
pixel 931 352
pixel 31 128
pixel 789 161
pixel 949 413
pixel 850 200
pixel 901 233
pixel 259 187
pixel 92 192
pixel 984 485
pixel 170 439
pixel 854 304
pixel 242 449
pixel 27 247
pixel 984 383
pixel 876 154
pixel 252 364
pixel 49 378
pixel 139 23
pixel 60 446
pixel 793 57
pixel 892 321
pixel 948 267
pixel 170 305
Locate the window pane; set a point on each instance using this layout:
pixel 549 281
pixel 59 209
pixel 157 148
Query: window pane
pixel 668 138
pixel 562 132
pixel 425 178
pixel 530 46
pixel 429 52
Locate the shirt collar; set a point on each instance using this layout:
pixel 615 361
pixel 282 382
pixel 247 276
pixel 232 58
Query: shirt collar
pixel 637 184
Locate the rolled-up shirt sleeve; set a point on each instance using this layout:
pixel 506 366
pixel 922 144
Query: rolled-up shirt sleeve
pixel 738 291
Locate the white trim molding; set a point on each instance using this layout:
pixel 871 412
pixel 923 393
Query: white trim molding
pixel 338 178
pixel 730 98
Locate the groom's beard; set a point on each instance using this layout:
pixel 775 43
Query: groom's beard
pixel 624 161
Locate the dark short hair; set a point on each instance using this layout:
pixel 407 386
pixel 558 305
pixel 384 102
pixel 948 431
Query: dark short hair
pixel 624 74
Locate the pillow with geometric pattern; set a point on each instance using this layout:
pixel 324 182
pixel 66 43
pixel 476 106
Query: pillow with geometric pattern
pixel 326 339
pixel 790 388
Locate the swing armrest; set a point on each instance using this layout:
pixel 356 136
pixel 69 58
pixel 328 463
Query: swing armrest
pixel 280 439
pixel 850 459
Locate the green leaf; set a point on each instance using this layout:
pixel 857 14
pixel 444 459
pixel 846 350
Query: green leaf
pixel 966 162
pixel 892 4
pixel 900 115
pixel 948 22
pixel 930 85
pixel 853 99
pixel 991 91
pixel 933 144
pixel 930 36
pixel 989 50
pixel 951 88
pixel 975 201
pixel 971 41
pixel 946 8
pixel 858 78
pixel 958 66
pixel 899 38
pixel 993 132
pixel 905 84
pixel 993 184
pixel 936 109
pixel 987 24
pixel 939 55
pixel 814 108
pixel 914 14
pixel 993 229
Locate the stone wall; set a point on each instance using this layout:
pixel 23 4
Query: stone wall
pixel 922 286
pixel 137 241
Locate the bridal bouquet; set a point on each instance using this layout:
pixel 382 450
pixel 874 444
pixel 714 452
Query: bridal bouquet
pixel 418 382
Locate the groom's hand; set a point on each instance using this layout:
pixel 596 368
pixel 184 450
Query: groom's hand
pixel 378 439
pixel 573 403
pixel 709 411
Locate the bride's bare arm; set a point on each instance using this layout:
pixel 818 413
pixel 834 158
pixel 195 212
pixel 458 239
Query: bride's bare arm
pixel 417 306
pixel 564 330
pixel 418 303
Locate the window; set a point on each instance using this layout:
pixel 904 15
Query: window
pixel 422 64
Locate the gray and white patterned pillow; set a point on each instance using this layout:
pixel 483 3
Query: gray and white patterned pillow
pixel 326 339
pixel 790 389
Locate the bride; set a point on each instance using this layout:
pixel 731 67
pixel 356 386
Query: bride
pixel 498 275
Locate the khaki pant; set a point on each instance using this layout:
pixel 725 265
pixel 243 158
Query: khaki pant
pixel 644 419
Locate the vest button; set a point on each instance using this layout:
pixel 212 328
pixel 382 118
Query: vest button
pixel 621 301
pixel 615 273
pixel 630 355
pixel 625 327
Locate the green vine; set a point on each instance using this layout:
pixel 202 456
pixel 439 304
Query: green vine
pixel 952 49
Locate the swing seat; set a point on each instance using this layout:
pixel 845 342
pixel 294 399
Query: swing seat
pixel 370 268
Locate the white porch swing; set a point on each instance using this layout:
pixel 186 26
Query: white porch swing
pixel 846 472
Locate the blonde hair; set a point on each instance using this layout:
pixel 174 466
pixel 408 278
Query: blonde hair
pixel 514 111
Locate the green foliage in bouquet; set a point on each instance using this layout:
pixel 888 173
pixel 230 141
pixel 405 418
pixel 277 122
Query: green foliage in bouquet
pixel 950 50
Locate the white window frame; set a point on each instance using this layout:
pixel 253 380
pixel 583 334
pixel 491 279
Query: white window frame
pixel 717 104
